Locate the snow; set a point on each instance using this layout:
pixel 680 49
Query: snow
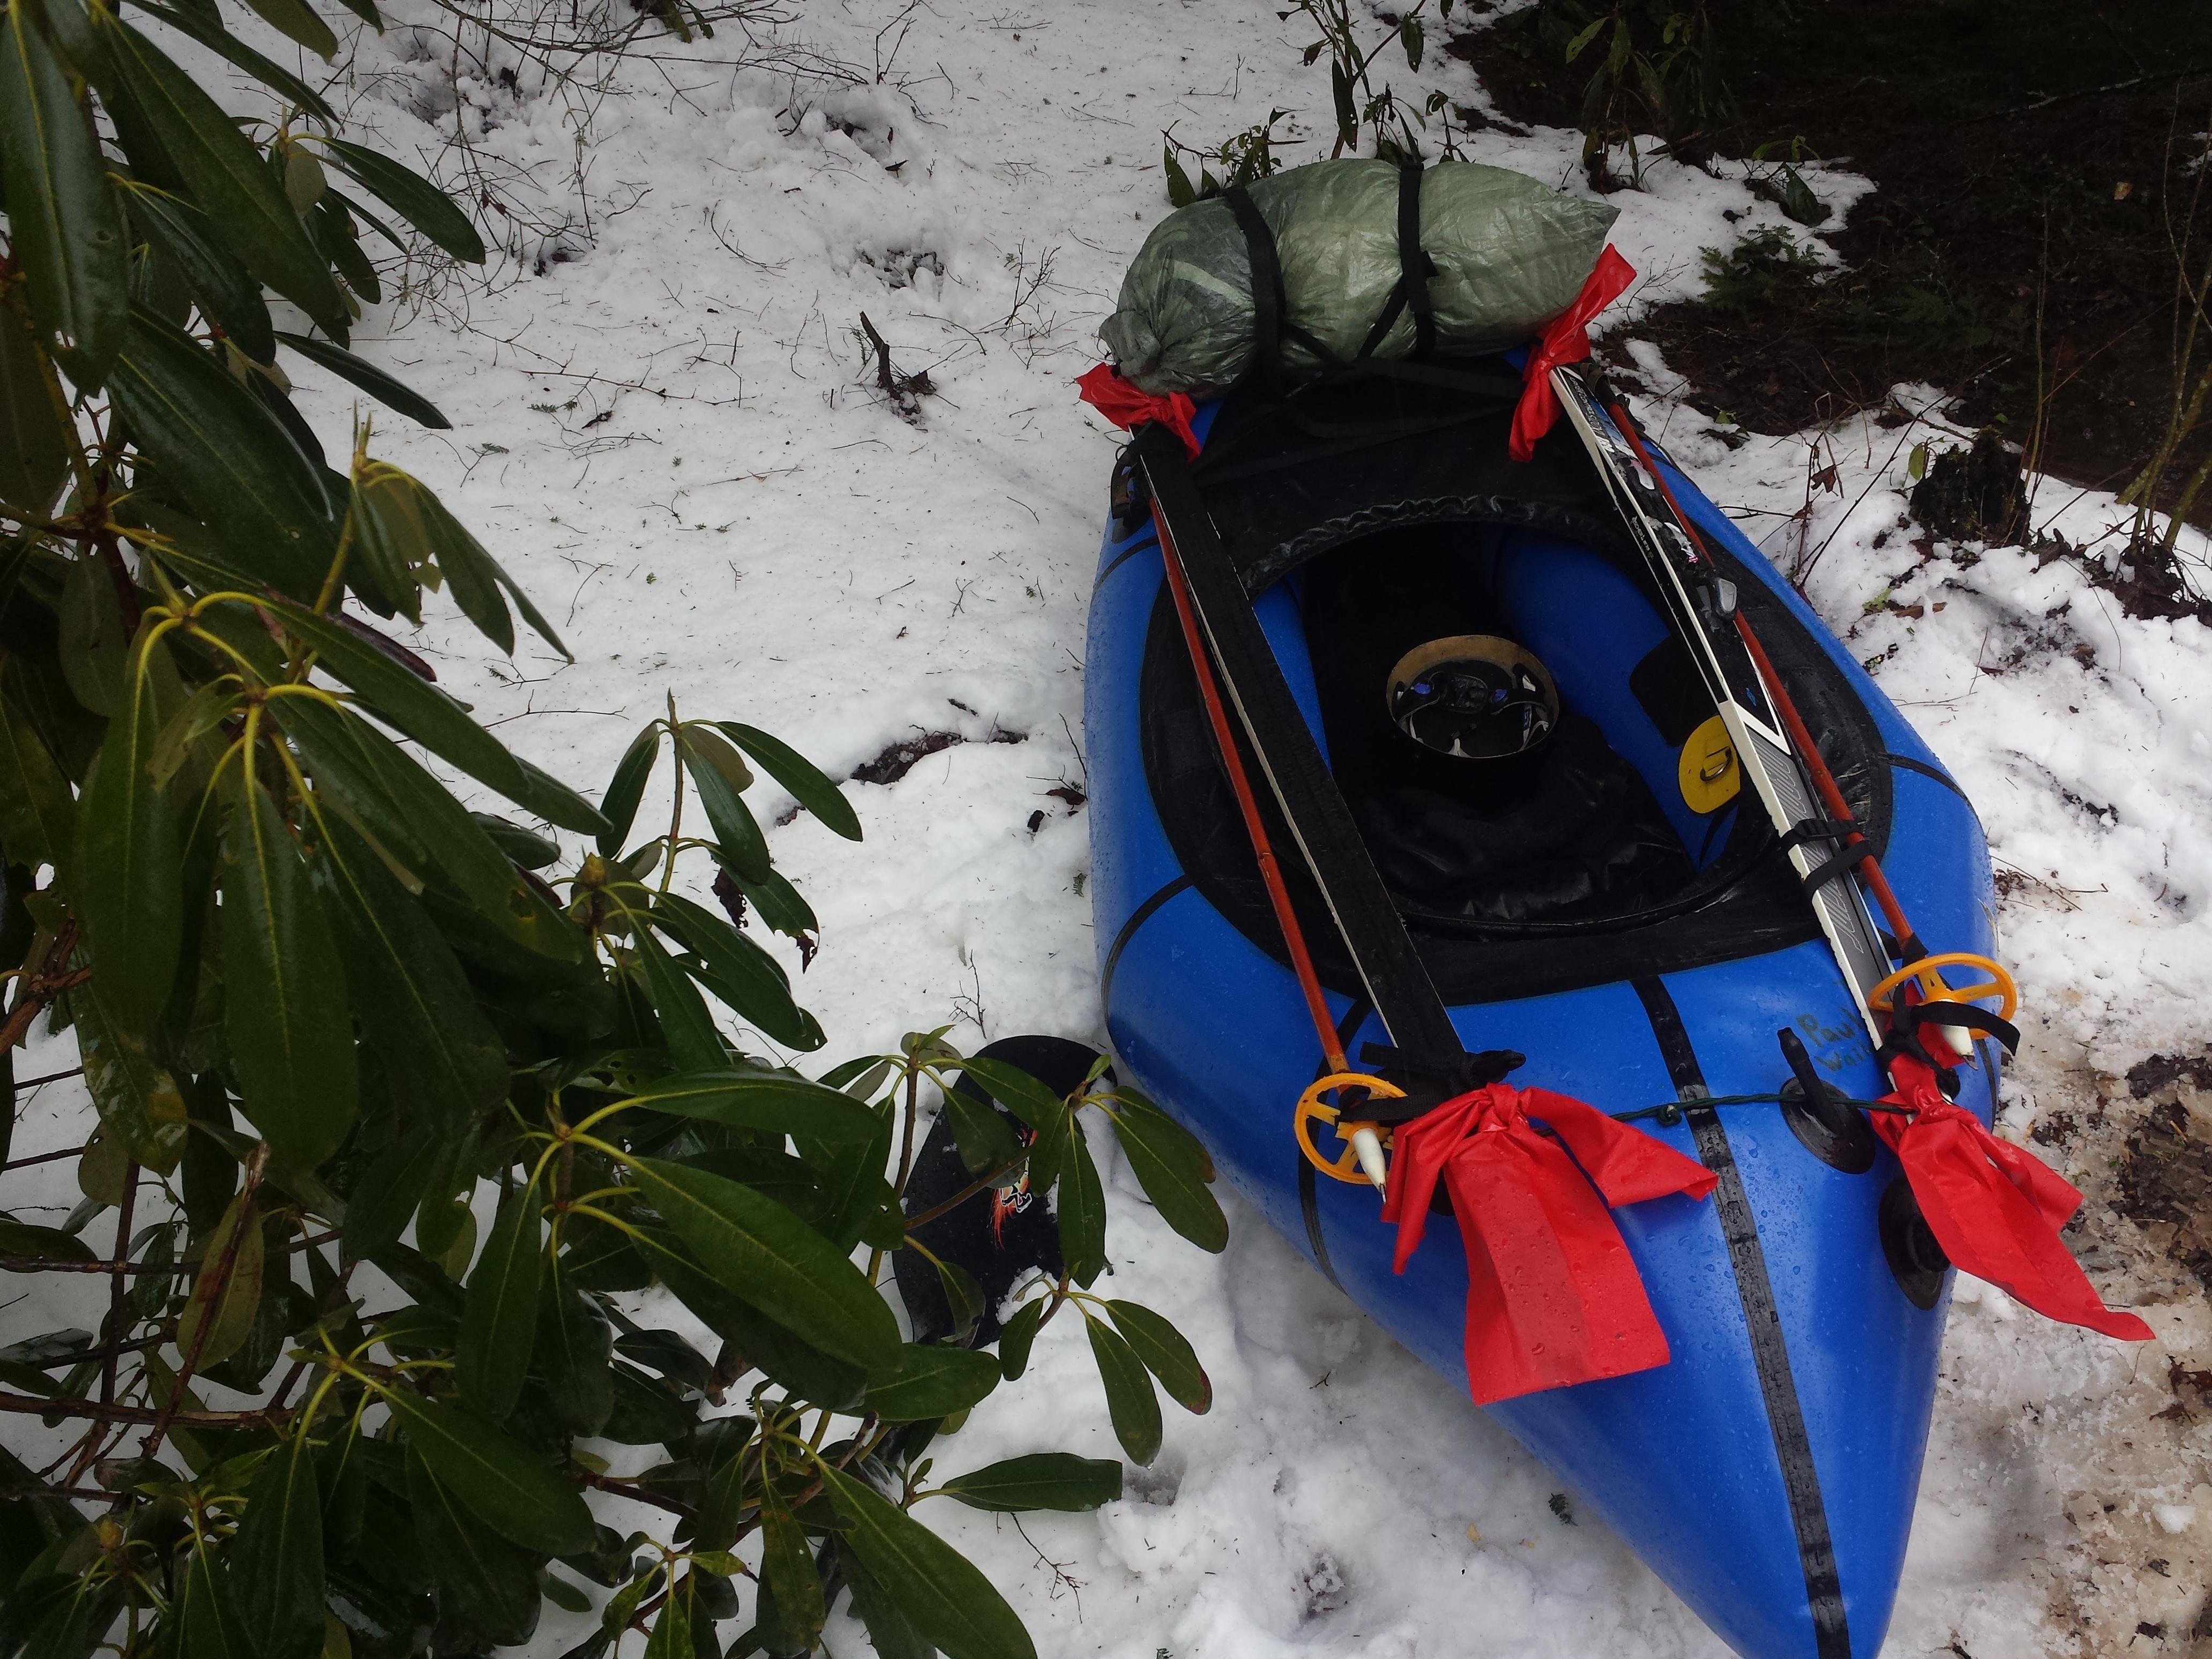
pixel 666 424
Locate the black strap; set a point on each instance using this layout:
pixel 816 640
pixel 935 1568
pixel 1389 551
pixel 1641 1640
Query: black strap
pixel 1415 268
pixel 1762 1324
pixel 1382 952
pixel 1268 302
pixel 1431 1079
pixel 1811 829
pixel 1842 865
pixel 1271 305
pixel 1907 1018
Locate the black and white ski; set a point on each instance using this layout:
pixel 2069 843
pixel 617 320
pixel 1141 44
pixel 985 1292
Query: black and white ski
pixel 1701 600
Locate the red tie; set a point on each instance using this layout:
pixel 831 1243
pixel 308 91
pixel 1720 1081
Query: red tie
pixel 1565 339
pixel 1121 402
pixel 1552 1295
pixel 1996 1208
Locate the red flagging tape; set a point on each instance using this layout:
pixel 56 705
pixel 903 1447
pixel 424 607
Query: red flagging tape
pixel 1121 403
pixel 1996 1208
pixel 1565 339
pixel 1554 1297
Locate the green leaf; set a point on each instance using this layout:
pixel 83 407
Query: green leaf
pixel 708 759
pixel 499 1322
pixel 852 1200
pixel 491 1585
pixel 779 1104
pixel 1180 192
pixel 92 639
pixel 413 198
pixel 777 901
pixel 773 1260
pixel 278 1552
pixel 986 1140
pixel 292 18
pixel 232 461
pixel 686 1025
pixel 1130 1400
pixel 128 866
pixel 1016 1337
pixel 1018 1091
pixel 415 1003
pixel 225 292
pixel 472 576
pixel 225 174
pixel 1167 1355
pixel 1173 1169
pixel 627 787
pixel 37 812
pixel 225 1305
pixel 35 440
pixel 389 1191
pixel 434 719
pixel 1798 201
pixel 671 1636
pixel 738 971
pixel 1043 1480
pixel 569 1598
pixel 793 1590
pixel 285 1009
pixel 390 543
pixel 943 1594
pixel 67 235
pixel 139 1102
pixel 215 1620
pixel 1590 33
pixel 368 377
pixel 1080 1203
pixel 722 1508
pixel 20 1241
pixel 806 783
pixel 520 846
pixel 925 1381
pixel 645 1413
pixel 412 817
pixel 573 1353
pixel 506 1485
pixel 203 23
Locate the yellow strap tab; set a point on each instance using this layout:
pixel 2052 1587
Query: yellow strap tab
pixel 1708 771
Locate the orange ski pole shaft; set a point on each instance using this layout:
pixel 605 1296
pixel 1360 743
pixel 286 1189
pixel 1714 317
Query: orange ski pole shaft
pixel 1247 806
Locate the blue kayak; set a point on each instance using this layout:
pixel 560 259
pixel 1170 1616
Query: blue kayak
pixel 1638 935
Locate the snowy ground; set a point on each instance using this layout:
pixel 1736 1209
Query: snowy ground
pixel 666 423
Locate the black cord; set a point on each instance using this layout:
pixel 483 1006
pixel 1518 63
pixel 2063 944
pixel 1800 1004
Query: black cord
pixel 1668 1115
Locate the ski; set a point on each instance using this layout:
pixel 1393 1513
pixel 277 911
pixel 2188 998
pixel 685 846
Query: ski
pixel 1701 601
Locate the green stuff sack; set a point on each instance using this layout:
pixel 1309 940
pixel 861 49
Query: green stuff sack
pixel 1510 254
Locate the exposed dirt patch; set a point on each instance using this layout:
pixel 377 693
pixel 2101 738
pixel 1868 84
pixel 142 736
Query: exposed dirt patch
pixel 898 759
pixel 2028 158
pixel 2146 1076
pixel 2165 1180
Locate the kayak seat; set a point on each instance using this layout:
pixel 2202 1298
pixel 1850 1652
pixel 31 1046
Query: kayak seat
pixel 1574 830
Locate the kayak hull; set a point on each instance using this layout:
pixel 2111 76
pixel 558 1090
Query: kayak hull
pixel 1767 1473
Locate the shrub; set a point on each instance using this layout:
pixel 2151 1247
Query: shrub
pixel 321 1003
